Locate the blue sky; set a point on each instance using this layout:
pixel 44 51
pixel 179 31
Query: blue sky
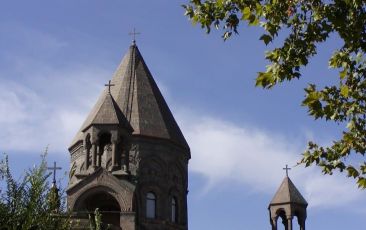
pixel 56 57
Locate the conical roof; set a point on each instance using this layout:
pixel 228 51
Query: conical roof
pixel 140 100
pixel 108 113
pixel 288 193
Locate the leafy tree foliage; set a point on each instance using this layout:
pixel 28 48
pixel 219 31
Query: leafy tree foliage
pixel 306 24
pixel 29 203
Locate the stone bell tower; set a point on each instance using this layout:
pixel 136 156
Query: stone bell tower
pixel 130 159
pixel 287 204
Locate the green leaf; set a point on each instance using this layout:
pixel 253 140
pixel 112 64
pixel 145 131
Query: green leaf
pixel 344 90
pixel 350 125
pixel 312 97
pixel 343 73
pixel 246 13
pixel 361 182
pixel 266 38
pixel 254 21
pixel 264 79
pixel 259 9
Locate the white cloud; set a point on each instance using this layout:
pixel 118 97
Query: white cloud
pixel 36 115
pixel 331 191
pixel 225 152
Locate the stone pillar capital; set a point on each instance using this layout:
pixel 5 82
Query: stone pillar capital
pixel 289 222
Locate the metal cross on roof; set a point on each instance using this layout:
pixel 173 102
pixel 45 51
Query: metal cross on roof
pixel 54 168
pixel 134 33
pixel 287 168
pixel 109 85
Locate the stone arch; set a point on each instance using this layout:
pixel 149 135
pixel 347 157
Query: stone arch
pixel 279 213
pixel 123 196
pixel 80 200
pixel 105 200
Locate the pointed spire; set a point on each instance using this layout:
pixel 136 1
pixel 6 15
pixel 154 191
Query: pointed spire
pixel 288 193
pixel 140 101
pixel 107 114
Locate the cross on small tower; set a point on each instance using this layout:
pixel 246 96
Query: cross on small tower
pixel 134 33
pixel 54 168
pixel 109 86
pixel 287 168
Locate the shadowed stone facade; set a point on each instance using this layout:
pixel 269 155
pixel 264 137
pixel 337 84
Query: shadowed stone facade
pixel 130 159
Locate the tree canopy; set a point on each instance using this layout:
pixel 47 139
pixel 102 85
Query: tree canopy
pixel 30 203
pixel 306 24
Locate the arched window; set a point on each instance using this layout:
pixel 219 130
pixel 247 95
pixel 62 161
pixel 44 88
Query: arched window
pixel 150 205
pixel 174 210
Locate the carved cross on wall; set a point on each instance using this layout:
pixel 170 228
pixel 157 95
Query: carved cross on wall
pixel 109 86
pixel 54 168
pixel 287 168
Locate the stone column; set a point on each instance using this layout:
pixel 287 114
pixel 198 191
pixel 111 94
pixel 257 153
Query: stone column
pixel 284 222
pixel 302 224
pixel 274 223
pixel 87 152
pixel 94 153
pixel 114 154
pixel 289 222
pixel 99 155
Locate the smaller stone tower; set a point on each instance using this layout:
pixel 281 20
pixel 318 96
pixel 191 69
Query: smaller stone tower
pixel 287 203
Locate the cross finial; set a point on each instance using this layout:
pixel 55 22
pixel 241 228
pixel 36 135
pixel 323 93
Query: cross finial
pixel 134 33
pixel 109 86
pixel 287 168
pixel 54 168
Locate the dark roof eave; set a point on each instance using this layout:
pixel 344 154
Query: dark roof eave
pixel 129 128
pixel 184 147
pixel 285 203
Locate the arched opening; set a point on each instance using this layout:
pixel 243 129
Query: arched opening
pixel 105 149
pixel 296 224
pixel 174 210
pixel 104 139
pixel 107 205
pixel 281 220
pixel 122 160
pixel 150 205
pixel 298 221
